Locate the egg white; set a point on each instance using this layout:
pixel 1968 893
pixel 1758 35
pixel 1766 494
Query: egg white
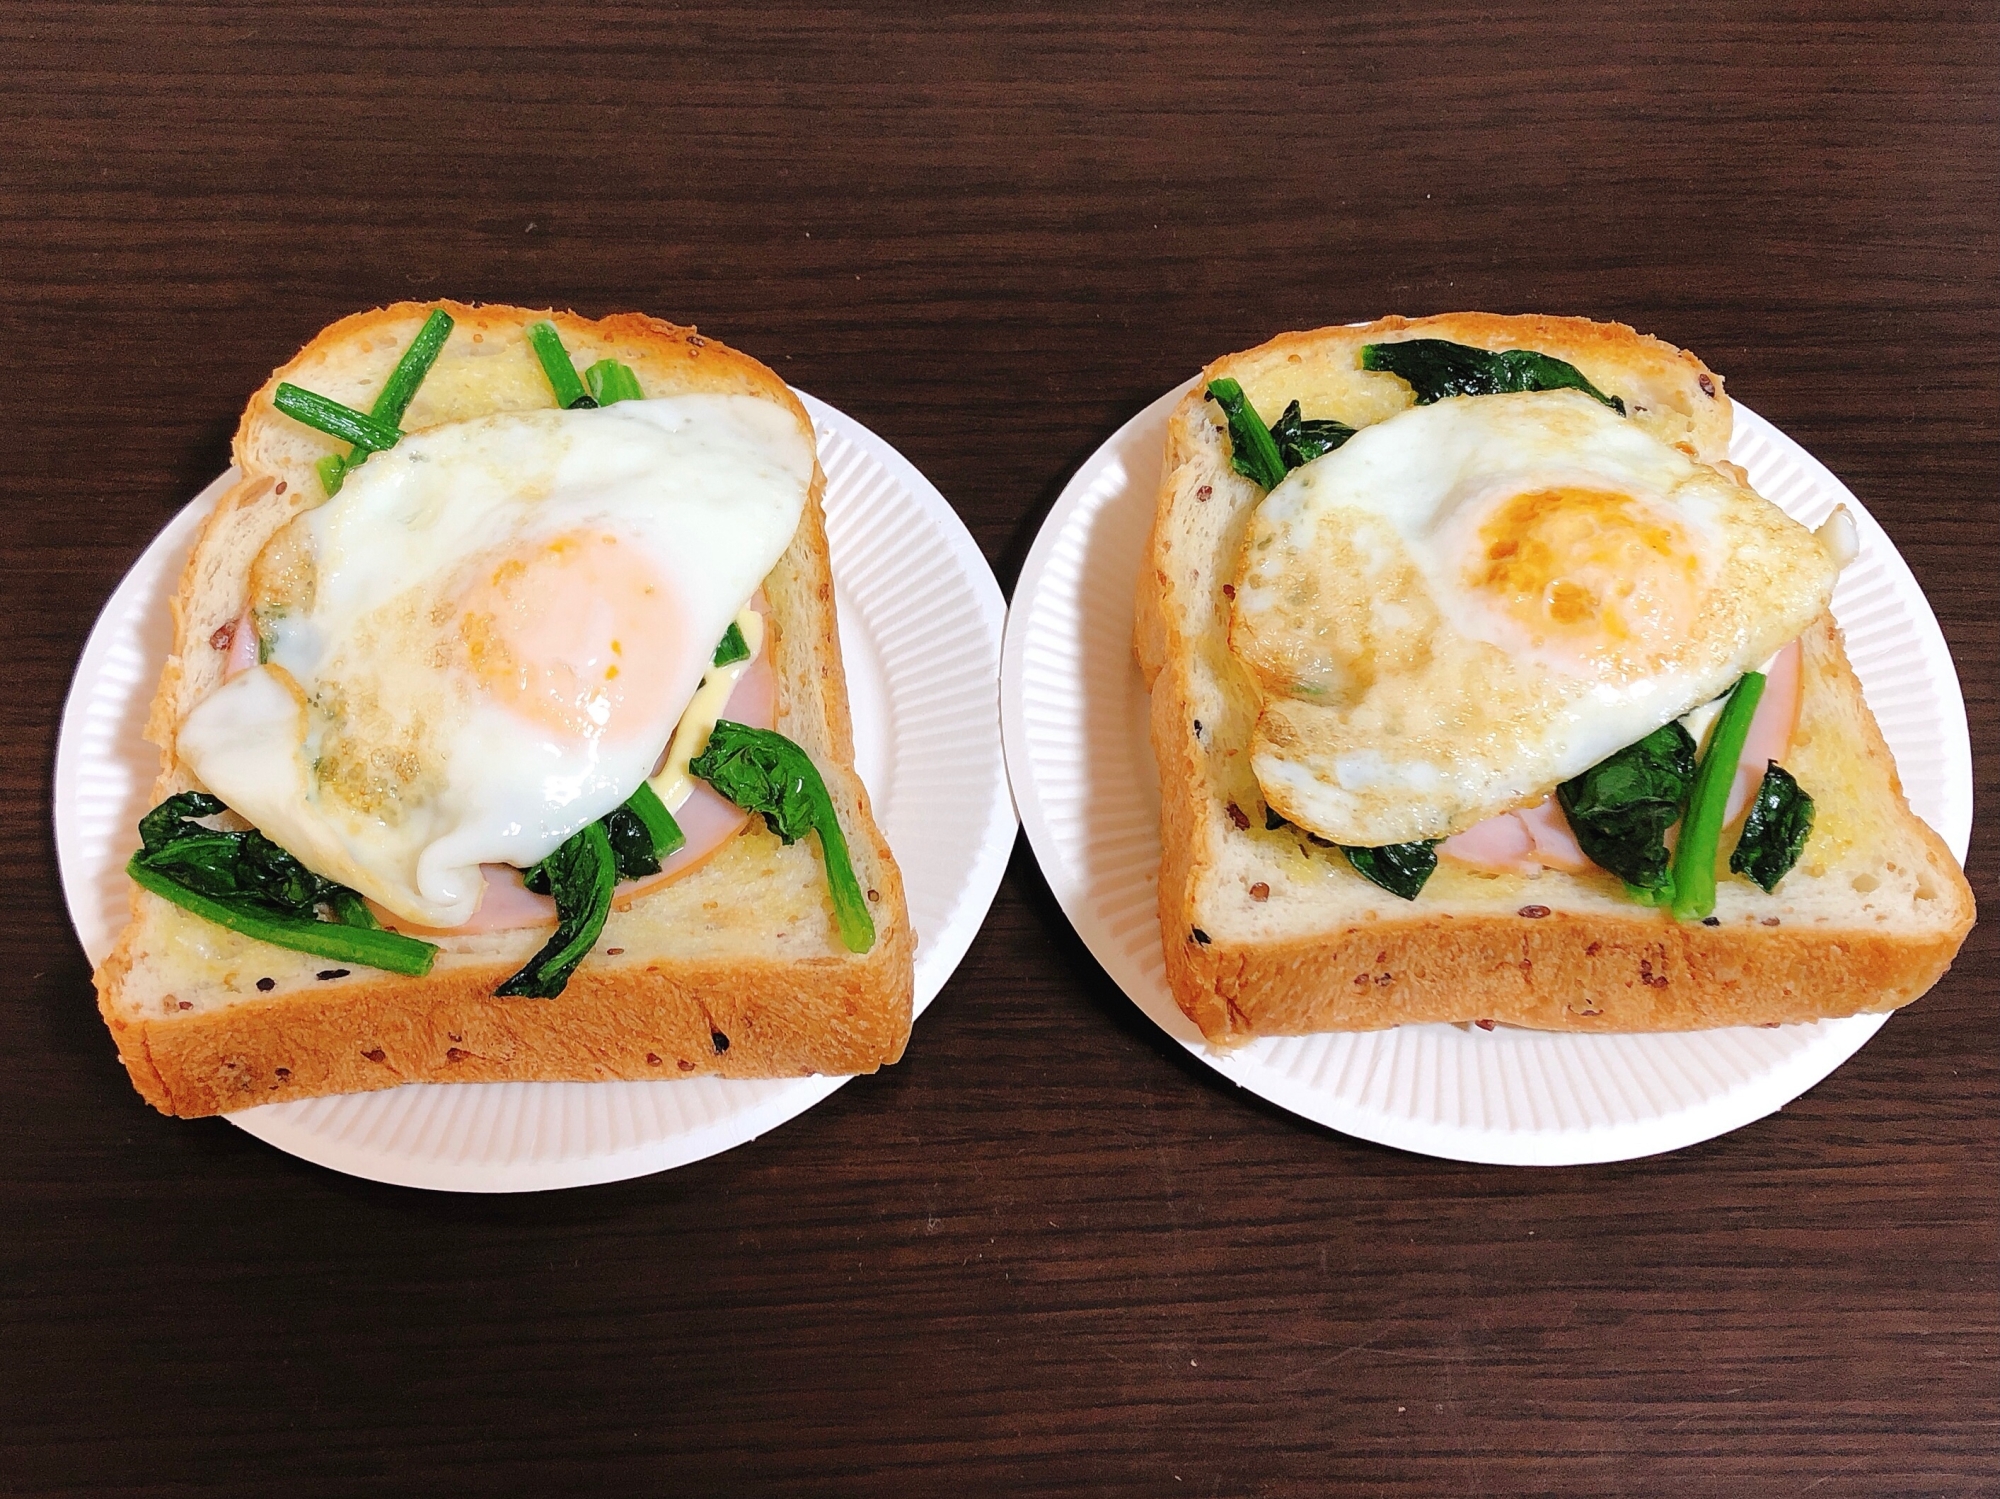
pixel 389 742
pixel 1475 600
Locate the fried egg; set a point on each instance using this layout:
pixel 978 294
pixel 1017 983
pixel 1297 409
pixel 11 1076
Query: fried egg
pixel 483 642
pixel 1475 600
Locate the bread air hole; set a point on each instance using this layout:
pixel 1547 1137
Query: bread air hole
pixel 1866 883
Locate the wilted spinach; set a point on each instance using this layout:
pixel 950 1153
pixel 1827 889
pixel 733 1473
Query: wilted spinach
pixel 1775 832
pixel 1264 455
pixel 1620 809
pixel 1436 368
pixel 762 771
pixel 1399 868
pixel 581 874
pixel 244 881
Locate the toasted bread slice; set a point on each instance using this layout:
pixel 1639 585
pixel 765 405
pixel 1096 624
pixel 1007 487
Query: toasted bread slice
pixel 736 968
pixel 1266 933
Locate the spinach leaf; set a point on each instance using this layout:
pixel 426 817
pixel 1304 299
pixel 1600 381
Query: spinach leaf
pixel 762 771
pixel 244 881
pixel 1775 832
pixel 228 866
pixel 390 951
pixel 349 909
pixel 1620 809
pixel 642 833
pixel 732 647
pixel 174 818
pixel 1252 452
pixel 765 772
pixel 581 874
pixel 242 866
pixel 645 805
pixel 1300 441
pixel 1437 368
pixel 631 841
pixel 1399 868
pixel 1264 455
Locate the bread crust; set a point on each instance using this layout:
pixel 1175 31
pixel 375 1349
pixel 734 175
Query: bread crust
pixel 674 1019
pixel 1553 958
pixel 627 1013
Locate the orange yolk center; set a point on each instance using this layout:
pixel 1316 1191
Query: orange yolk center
pixel 561 631
pixel 1592 571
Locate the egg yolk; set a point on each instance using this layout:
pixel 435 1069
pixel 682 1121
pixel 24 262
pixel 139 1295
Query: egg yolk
pixel 1593 573
pixel 562 631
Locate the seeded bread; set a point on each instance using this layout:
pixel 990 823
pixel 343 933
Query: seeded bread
pixel 1266 933
pixel 736 968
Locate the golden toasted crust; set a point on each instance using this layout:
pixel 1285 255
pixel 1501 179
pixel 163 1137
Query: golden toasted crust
pixel 736 1018
pixel 1263 936
pixel 734 970
pixel 1562 973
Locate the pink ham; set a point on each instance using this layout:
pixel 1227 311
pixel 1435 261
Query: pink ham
pixel 1526 841
pixel 1499 845
pixel 504 904
pixel 1555 845
pixel 1771 729
pixel 754 698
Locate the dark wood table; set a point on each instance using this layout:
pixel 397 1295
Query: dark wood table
pixel 1047 1253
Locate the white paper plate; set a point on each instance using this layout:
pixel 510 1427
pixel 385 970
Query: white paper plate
pixel 920 627
pixel 1073 711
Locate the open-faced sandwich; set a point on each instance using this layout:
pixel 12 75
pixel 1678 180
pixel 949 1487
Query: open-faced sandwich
pixel 1485 689
pixel 505 734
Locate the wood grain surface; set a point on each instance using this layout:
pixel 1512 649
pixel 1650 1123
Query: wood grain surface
pixel 1047 1253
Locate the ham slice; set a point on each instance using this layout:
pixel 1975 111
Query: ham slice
pixel 1555 845
pixel 1525 841
pixel 1499 845
pixel 1771 729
